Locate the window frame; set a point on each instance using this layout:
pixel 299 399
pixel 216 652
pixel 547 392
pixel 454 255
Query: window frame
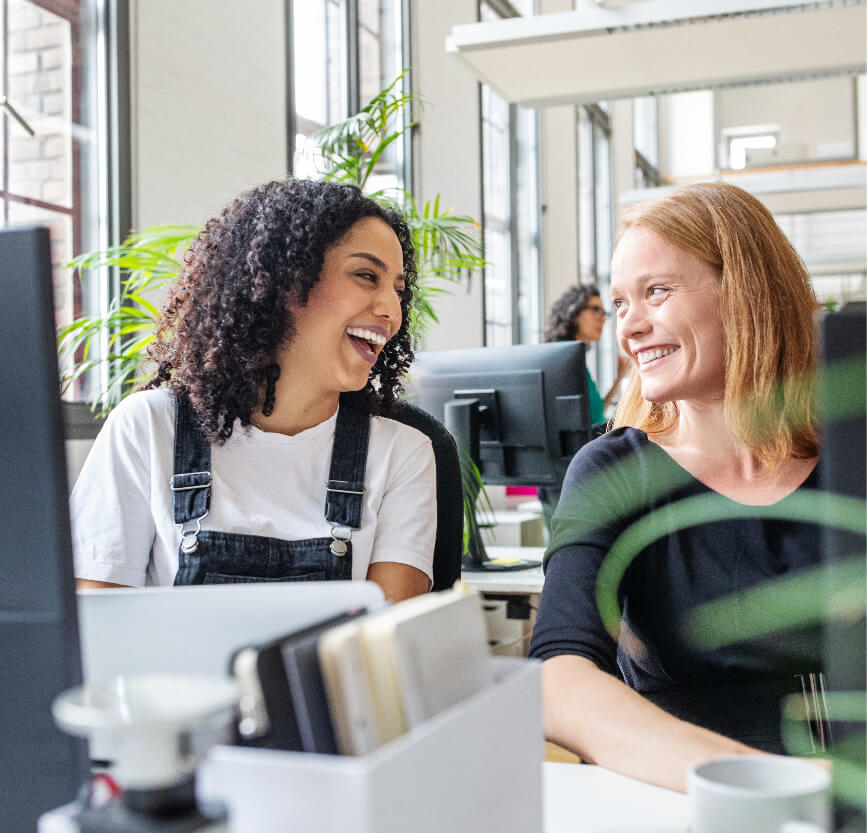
pixel 112 56
pixel 352 104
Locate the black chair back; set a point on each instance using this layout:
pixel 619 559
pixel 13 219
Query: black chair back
pixel 450 502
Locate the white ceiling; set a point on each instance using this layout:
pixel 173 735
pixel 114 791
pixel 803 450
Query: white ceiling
pixel 662 46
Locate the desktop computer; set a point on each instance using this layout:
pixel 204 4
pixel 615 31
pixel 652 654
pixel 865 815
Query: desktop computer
pixel 520 413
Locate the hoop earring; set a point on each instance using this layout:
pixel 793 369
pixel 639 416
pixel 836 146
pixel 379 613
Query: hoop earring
pixel 272 374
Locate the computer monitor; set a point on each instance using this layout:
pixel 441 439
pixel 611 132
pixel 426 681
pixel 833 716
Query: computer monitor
pixel 842 397
pixel 40 767
pixel 521 412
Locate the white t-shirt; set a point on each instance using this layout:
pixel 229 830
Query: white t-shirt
pixel 266 484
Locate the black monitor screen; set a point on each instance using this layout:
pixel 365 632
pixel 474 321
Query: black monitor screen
pixel 844 472
pixel 528 403
pixel 40 768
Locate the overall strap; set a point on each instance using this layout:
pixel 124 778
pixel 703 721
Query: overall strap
pixel 191 480
pixel 344 492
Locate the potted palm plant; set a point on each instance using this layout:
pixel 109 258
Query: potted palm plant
pixel 115 341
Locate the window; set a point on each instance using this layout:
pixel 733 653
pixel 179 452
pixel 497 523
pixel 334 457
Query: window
pixel 594 195
pixel 832 246
pixel 497 218
pixel 319 56
pixel 511 210
pixel 645 136
pixel 343 53
pixel 53 155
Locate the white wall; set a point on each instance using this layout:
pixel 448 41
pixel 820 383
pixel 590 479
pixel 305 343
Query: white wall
pixel 447 155
pixel 208 104
pixel 559 199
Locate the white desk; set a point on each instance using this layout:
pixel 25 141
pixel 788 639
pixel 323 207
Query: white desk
pixel 527 582
pixel 579 798
pixel 576 799
pixel 509 636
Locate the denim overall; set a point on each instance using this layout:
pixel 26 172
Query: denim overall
pixel 212 557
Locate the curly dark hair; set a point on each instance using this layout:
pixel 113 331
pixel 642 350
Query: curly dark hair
pixel 560 325
pixel 230 308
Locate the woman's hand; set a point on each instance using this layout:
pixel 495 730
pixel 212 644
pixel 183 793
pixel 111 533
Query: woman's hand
pixel 89 584
pixel 605 722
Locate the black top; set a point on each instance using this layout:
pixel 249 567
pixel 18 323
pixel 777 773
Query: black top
pixel 734 689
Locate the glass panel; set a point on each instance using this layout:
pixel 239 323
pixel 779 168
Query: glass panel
pixel 838 289
pixel 380 62
pixel 40 71
pixel 320 74
pixel 527 203
pixel 602 195
pixel 645 129
pixel 832 245
pixel 496 178
pixel 586 208
pixel 60 226
pixel 56 80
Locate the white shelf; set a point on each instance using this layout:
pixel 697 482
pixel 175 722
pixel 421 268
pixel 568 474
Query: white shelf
pixel 661 46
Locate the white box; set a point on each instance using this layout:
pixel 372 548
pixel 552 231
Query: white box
pixel 475 767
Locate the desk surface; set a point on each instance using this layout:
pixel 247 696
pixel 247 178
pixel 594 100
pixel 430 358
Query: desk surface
pixel 508 581
pixel 579 798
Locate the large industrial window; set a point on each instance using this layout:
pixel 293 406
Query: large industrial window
pixel 595 222
pixel 343 53
pixel 52 164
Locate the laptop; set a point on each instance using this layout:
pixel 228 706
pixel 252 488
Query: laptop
pixel 195 630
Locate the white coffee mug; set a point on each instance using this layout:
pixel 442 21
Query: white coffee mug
pixel 758 794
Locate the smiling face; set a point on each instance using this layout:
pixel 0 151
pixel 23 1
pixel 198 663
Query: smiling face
pixel 590 321
pixel 667 303
pixel 351 312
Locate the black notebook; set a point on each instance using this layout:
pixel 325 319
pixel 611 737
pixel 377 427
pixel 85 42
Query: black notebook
pixel 283 700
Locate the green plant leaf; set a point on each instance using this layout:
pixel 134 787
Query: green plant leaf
pixel 448 249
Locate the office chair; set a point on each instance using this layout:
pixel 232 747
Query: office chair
pixel 450 502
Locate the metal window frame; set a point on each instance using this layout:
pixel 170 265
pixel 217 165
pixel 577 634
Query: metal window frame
pixel 114 16
pixel 353 77
pixel 119 144
pixel 648 170
pixel 514 230
pixel 289 93
pixel 600 124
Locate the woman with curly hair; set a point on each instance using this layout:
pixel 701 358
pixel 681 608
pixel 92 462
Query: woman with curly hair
pixel 578 315
pixel 262 448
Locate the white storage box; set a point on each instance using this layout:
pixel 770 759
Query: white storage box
pixel 474 768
